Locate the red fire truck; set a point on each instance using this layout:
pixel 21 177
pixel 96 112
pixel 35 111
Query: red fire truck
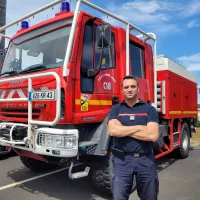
pixel 60 78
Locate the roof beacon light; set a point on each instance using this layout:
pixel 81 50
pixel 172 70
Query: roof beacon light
pixel 24 24
pixel 65 6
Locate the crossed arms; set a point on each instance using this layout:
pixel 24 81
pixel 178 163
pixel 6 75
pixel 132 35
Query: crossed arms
pixel 139 132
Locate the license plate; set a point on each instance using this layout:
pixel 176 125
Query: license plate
pixel 42 95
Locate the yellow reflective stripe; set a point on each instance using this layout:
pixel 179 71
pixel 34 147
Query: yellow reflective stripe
pixel 95 102
pixel 77 101
pixel 190 112
pixel 100 102
pixel 175 112
pixel 180 112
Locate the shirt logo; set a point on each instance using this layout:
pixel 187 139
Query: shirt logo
pixel 132 117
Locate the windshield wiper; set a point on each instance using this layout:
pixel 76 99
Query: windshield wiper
pixel 33 68
pixel 9 72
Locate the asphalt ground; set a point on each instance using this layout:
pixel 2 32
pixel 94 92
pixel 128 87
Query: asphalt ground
pixel 179 180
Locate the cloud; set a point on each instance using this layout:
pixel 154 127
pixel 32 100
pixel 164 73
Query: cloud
pixel 141 12
pixel 150 6
pixel 14 14
pixel 157 14
pixel 150 15
pixel 165 28
pixel 192 24
pixel 191 9
pixel 192 62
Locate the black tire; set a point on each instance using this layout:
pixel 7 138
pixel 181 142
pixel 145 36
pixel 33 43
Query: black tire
pixel 2 151
pixel 183 150
pixel 36 165
pixel 2 148
pixel 101 174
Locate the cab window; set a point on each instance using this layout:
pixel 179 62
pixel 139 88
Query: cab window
pixel 91 57
pixel 87 84
pixel 136 61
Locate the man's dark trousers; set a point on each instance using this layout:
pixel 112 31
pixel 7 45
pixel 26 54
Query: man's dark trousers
pixel 143 168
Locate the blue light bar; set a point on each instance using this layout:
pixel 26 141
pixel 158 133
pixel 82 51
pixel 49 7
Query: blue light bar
pixel 24 24
pixel 65 6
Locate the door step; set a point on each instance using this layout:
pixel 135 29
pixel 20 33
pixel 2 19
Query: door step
pixel 78 175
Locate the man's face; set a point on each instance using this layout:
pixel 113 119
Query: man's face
pixel 130 89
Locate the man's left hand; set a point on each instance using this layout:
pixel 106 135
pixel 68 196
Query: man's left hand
pixel 115 122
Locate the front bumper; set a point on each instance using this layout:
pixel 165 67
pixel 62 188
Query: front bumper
pixel 43 141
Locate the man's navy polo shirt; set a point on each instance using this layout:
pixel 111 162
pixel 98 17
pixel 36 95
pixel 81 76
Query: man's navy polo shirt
pixel 139 114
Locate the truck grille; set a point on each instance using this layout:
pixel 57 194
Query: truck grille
pixel 19 113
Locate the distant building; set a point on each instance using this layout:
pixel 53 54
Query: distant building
pixel 2 20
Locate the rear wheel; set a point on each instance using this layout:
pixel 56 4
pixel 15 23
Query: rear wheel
pixel 183 150
pixel 101 174
pixel 36 165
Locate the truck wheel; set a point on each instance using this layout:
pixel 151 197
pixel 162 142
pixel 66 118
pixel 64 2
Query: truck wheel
pixel 101 174
pixel 183 150
pixel 2 148
pixel 36 165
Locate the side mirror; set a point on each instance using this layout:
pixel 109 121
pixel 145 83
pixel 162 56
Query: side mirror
pixel 103 40
pixel 103 36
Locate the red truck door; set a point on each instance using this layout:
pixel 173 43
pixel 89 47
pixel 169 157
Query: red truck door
pixel 93 96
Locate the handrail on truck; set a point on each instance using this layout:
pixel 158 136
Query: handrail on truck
pixel 30 89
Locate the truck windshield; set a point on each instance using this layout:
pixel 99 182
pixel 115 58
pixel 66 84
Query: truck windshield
pixel 46 47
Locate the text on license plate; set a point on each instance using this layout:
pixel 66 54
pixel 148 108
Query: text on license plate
pixel 42 95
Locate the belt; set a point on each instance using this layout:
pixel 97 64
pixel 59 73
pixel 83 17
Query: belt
pixel 135 155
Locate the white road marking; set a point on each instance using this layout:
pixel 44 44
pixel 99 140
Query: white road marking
pixel 31 179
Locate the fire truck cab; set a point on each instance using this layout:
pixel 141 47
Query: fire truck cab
pixel 60 78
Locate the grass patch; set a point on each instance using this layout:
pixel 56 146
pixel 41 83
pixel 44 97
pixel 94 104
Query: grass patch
pixel 195 140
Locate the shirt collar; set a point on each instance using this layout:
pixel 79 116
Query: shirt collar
pixel 138 103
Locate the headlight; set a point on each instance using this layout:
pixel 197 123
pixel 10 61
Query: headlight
pixel 48 140
pixel 57 141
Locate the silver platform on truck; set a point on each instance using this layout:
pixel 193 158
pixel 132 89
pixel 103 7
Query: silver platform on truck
pixel 164 63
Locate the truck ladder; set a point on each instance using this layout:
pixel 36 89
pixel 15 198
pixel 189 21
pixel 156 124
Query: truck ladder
pixel 161 97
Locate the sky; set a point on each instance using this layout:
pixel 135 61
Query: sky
pixel 176 23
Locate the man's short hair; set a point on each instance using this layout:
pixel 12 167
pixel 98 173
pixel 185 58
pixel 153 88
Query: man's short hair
pixel 129 77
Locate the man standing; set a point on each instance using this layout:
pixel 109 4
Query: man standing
pixel 134 126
